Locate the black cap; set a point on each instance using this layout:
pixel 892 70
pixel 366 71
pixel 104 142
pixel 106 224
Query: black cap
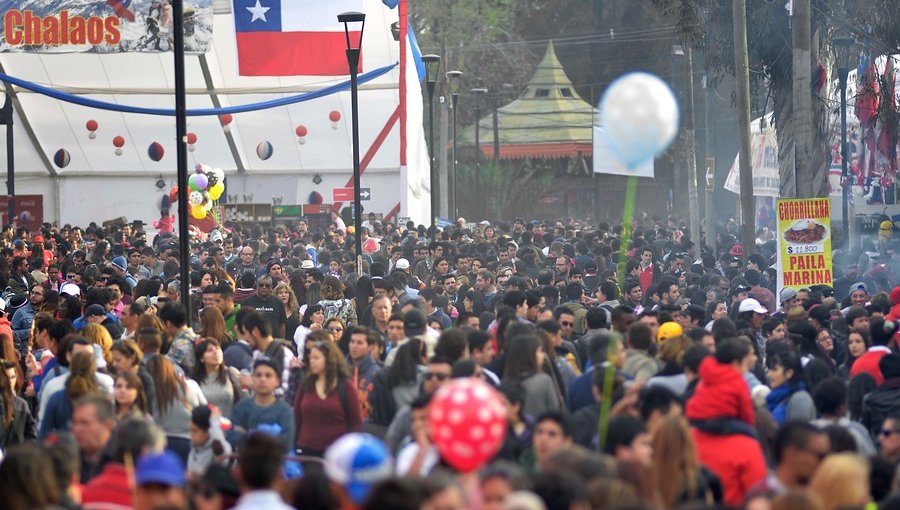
pixel 95 310
pixel 414 323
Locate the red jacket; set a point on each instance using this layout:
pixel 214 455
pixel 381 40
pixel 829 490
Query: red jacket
pixel 646 277
pixel 109 490
pixel 736 459
pixel 721 393
pixel 868 363
pixel 6 328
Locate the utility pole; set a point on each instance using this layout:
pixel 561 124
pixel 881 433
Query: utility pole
pixel 443 160
pixel 802 94
pixel 709 216
pixel 693 198
pixel 742 79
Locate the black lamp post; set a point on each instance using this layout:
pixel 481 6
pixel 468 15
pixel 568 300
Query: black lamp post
pixel 843 52
pixel 431 67
pixel 353 51
pixel 181 152
pixel 453 81
pixel 6 119
pixel 477 93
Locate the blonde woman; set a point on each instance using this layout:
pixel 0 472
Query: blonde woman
pixel 285 294
pixel 842 481
pixel 676 469
pixel 99 336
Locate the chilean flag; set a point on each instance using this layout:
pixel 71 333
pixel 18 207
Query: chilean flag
pixel 293 37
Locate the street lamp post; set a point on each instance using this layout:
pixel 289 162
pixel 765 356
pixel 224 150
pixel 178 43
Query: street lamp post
pixel 431 66
pixel 843 48
pixel 353 52
pixel 6 119
pixel 477 93
pixel 453 80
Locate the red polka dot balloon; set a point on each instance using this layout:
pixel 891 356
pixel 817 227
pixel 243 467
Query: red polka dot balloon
pixel 468 423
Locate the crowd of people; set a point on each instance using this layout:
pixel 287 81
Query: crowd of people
pixel 638 369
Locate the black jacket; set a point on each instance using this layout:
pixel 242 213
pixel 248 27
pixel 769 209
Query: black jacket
pixel 21 428
pixel 882 402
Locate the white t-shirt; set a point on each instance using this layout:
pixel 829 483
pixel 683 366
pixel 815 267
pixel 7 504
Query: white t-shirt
pixel 408 454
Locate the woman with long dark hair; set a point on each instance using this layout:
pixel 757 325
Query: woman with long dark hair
pixel 16 421
pixel 365 291
pixel 176 397
pixel 473 302
pixel 858 343
pixel 398 385
pixel 69 308
pixel 789 399
pixel 327 404
pixel 313 319
pixel 298 285
pixel 130 398
pixel 524 362
pixel 218 382
pixel 9 354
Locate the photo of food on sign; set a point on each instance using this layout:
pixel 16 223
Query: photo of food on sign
pixel 806 232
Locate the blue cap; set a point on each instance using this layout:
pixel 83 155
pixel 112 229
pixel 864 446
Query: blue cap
pixel 358 462
pixel 120 263
pixel 161 468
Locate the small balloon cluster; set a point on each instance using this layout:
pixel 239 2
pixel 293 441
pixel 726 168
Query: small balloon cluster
pixel 206 185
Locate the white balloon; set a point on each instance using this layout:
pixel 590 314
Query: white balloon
pixel 195 198
pixel 118 151
pixel 219 173
pixel 92 135
pixel 639 117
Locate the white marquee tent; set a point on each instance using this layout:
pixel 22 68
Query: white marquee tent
pixel 98 185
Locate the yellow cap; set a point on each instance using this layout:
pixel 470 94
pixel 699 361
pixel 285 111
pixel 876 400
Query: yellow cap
pixel 669 330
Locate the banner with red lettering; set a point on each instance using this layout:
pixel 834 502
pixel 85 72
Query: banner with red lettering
pixel 804 242
pixel 101 26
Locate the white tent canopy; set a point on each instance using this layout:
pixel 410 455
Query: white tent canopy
pixel 98 185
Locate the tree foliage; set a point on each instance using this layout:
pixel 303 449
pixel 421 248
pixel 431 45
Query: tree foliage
pixel 707 26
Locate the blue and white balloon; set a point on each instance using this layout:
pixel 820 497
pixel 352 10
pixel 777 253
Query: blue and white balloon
pixel 639 118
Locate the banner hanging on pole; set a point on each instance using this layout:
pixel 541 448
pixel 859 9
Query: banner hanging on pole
pixel 764 163
pixel 804 243
pixel 102 26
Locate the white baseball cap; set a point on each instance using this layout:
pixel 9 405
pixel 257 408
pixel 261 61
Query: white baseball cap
pixel 70 289
pixel 402 264
pixel 751 305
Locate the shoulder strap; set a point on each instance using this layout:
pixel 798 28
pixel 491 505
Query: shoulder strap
pixel 342 394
